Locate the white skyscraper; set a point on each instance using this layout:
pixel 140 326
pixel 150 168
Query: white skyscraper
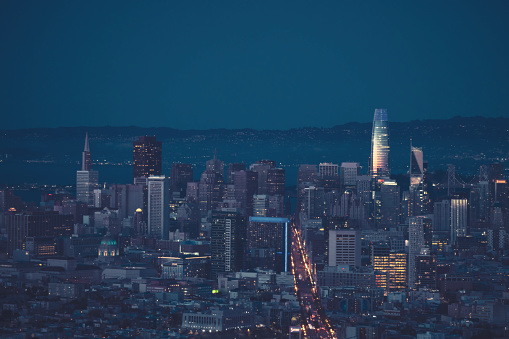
pixel 86 179
pixel 158 207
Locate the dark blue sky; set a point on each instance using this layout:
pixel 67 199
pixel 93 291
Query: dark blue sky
pixel 257 64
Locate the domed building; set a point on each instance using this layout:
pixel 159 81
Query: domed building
pixel 108 249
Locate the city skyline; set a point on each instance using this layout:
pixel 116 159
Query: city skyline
pixel 343 252
pixel 267 170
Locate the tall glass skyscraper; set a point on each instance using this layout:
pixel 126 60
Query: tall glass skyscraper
pixel 417 199
pixel 380 145
pixel 147 157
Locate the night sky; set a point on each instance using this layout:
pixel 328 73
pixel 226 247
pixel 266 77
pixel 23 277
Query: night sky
pixel 256 64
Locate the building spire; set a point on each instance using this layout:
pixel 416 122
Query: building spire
pixel 87 146
pixel 86 159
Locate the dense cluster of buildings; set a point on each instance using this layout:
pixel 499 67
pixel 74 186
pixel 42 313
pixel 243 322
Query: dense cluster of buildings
pixel 415 255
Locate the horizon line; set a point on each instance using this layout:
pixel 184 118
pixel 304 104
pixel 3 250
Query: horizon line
pixel 251 128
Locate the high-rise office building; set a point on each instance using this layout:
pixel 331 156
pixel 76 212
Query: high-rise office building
pixel 425 270
pixel 246 184
pixel 380 260
pixel 276 181
pixel 147 157
pixel 158 207
pixel 260 205
pixel 363 188
pixel 418 195
pixel 390 268
pixel 215 165
pixel 459 206
pixel 210 190
pixel 86 158
pixel 262 168
pixel 232 168
pixel 484 199
pixel 415 244
pixel 268 205
pixel 227 242
pixel 268 244
pixel 180 175
pixel 380 166
pixel 442 215
pixel 351 209
pixel 36 224
pixel 344 247
pixel 125 198
pixel 313 202
pixel 328 176
pixel 348 173
pixel 86 179
pixel 387 205
pixel 306 177
pixel 327 169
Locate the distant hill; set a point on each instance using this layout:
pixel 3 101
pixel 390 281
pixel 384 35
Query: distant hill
pixel 465 142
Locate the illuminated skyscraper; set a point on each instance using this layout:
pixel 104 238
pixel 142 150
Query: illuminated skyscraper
pixel 147 157
pixel 390 268
pixel 418 196
pixel 380 145
pixel 459 206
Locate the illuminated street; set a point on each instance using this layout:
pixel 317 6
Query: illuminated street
pixel 314 322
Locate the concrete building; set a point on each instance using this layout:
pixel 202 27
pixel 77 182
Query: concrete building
pixel 344 247
pixel 158 207
pixel 349 173
pixel 218 320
